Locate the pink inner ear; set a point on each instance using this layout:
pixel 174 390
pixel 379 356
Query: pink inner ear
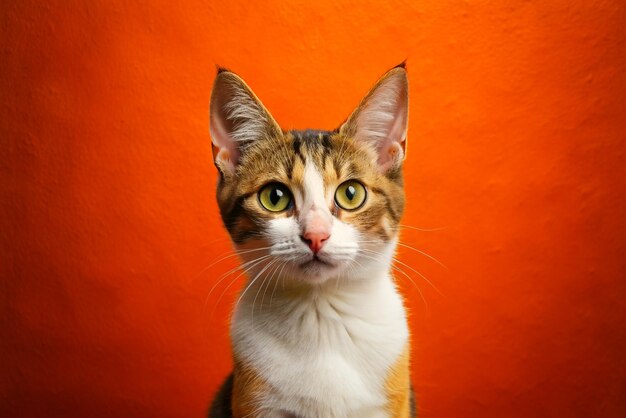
pixel 390 155
pixel 393 144
pixel 382 118
pixel 227 153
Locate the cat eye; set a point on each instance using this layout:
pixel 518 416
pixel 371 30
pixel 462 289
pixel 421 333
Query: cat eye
pixel 275 197
pixel 350 195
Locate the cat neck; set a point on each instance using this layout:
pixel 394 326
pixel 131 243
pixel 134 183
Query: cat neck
pixel 328 315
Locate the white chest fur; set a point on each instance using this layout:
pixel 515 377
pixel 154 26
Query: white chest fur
pixel 325 352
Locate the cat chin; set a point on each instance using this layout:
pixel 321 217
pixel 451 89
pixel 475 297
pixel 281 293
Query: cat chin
pixel 317 272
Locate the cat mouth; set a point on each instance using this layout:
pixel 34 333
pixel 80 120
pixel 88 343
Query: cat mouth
pixel 316 261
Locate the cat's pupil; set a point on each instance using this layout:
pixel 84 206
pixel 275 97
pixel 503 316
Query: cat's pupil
pixel 275 196
pixel 350 192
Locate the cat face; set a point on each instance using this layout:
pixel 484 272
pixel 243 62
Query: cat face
pixel 309 206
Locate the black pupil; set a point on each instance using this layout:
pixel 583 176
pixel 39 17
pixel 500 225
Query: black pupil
pixel 350 192
pixel 275 195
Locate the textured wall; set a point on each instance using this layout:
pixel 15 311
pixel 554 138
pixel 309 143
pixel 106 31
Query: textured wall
pixel 108 218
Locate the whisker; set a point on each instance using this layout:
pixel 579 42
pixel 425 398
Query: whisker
pixel 422 253
pixel 407 266
pixel 401 244
pixel 220 279
pixel 231 271
pixel 423 229
pixel 407 276
pixel 404 273
pixel 232 253
pixel 233 281
pixel 418 273
pixel 415 284
pixel 276 282
pixel 238 252
pixel 273 273
pixel 251 283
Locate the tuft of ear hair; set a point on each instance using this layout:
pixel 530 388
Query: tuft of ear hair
pixel 237 119
pixel 381 119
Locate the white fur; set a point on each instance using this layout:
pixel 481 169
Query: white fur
pixel 328 352
pixel 251 118
pixel 323 339
pixel 312 194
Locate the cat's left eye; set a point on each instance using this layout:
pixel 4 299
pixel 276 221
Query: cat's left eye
pixel 275 197
pixel 350 195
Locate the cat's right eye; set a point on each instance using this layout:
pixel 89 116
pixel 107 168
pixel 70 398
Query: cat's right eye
pixel 275 197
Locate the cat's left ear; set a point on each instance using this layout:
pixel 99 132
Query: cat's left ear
pixel 237 120
pixel 381 119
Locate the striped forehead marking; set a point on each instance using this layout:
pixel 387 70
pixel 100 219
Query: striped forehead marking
pixel 313 146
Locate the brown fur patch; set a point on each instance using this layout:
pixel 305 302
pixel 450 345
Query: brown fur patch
pixel 398 387
pixel 248 389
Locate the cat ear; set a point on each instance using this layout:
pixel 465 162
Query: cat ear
pixel 381 119
pixel 237 119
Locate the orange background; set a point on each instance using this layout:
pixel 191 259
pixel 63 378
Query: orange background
pixel 109 220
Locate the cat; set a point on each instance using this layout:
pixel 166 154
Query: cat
pixel 319 329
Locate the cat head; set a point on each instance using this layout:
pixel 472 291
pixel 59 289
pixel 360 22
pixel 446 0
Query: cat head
pixel 310 206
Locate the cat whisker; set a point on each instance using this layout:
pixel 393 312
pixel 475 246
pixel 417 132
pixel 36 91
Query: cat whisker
pixel 234 253
pixel 398 269
pixel 241 266
pixel 422 253
pixel 420 274
pixel 244 270
pixel 359 264
pixel 375 241
pixel 204 269
pixel 395 259
pixel 276 281
pixel 345 250
pixel 401 244
pixel 285 252
pixel 415 284
pixel 410 268
pixel 273 273
pixel 423 229
pixel 343 256
pixel 251 283
pixel 265 278
pixel 220 279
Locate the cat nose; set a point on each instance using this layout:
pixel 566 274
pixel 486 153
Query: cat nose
pixel 315 240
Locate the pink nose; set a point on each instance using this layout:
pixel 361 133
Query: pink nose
pixel 315 240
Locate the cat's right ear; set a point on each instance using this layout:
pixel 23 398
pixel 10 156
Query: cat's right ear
pixel 237 119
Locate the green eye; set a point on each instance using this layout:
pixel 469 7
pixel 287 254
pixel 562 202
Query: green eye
pixel 275 197
pixel 350 195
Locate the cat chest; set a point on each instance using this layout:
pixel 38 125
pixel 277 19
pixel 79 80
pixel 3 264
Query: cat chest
pixel 324 365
